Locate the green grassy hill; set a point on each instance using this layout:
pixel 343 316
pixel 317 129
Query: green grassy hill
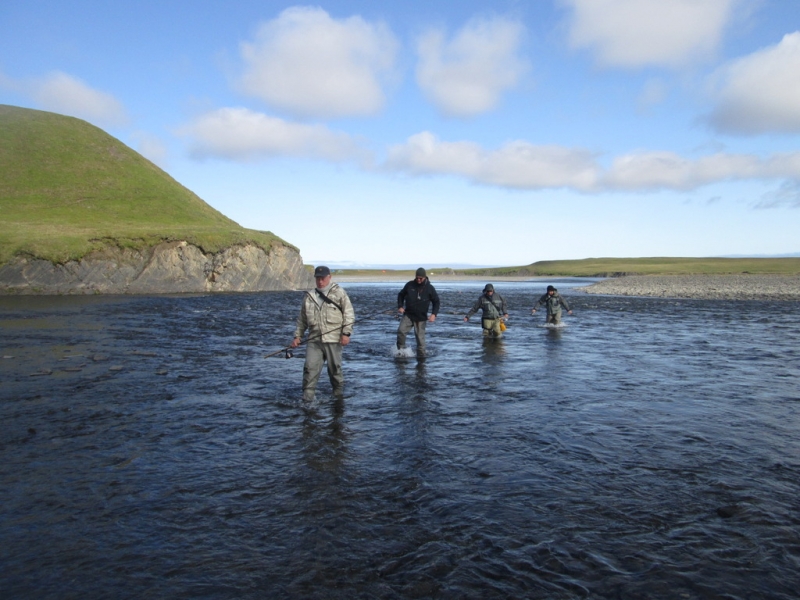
pixel 67 188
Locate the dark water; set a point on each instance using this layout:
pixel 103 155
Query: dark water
pixel 650 449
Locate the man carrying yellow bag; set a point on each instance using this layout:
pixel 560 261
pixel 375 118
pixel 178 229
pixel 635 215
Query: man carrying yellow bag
pixel 494 311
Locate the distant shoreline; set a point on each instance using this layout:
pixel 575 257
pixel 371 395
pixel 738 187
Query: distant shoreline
pixel 434 277
pixel 701 287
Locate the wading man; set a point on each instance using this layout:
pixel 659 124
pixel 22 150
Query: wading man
pixel 328 315
pixel 553 301
pixel 412 302
pixel 493 308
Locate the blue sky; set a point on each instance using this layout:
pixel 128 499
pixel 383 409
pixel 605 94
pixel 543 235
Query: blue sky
pixel 442 132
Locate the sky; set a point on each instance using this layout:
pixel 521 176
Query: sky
pixel 443 133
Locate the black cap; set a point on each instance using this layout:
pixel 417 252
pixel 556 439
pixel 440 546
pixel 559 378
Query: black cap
pixel 488 287
pixel 550 288
pixel 421 272
pixel 322 272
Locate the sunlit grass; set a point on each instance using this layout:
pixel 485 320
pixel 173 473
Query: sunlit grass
pixel 609 267
pixel 68 188
pixel 606 267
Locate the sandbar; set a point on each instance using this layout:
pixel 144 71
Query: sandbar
pixel 702 287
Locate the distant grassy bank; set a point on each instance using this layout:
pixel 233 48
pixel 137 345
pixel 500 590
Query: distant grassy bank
pixel 68 188
pixel 609 267
pixel 613 267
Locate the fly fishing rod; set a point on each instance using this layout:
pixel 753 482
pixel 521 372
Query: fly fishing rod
pixel 288 349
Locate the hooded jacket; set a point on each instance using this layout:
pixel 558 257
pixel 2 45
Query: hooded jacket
pixel 553 303
pixel 493 307
pixel 326 321
pixel 417 297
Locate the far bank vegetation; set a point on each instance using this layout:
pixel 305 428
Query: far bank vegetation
pixel 618 267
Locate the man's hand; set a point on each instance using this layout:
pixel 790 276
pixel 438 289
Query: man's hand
pixel 401 310
pixel 569 312
pixel 431 319
pixel 295 343
pixel 344 340
pixel 466 319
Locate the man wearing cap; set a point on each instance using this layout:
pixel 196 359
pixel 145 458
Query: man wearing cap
pixel 328 315
pixel 553 301
pixel 412 302
pixel 493 308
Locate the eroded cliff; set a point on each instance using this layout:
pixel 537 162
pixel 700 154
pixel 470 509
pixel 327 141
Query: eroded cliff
pixel 169 267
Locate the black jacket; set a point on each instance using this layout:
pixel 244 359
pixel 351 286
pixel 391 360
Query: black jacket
pixel 417 297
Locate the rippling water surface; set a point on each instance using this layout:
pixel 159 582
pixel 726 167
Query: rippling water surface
pixel 651 448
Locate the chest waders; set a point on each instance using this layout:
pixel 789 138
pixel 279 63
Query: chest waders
pixel 493 323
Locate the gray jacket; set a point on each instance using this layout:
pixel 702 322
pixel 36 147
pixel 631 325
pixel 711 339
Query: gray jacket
pixel 553 303
pixel 493 308
pixel 326 321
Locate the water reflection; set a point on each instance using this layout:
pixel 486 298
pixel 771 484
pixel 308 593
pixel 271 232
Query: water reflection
pixel 411 377
pixel 493 349
pixel 325 435
pixel 554 333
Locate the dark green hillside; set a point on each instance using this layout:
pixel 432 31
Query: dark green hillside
pixel 67 187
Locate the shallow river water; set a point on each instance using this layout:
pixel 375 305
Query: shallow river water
pixel 649 449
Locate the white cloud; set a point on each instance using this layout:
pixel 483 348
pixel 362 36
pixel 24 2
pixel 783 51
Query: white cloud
pixel 761 92
pixel 788 195
pixel 515 165
pixel 151 147
pixel 9 84
pixel 666 170
pixel 308 64
pixel 637 33
pixel 466 75
pixel 521 165
pixel 241 134
pixel 62 93
pixel 653 92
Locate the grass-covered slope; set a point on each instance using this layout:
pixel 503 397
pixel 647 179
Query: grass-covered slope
pixel 609 267
pixel 67 187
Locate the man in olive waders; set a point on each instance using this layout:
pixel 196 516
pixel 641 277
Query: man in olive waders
pixel 493 308
pixel 553 301
pixel 328 315
pixel 412 302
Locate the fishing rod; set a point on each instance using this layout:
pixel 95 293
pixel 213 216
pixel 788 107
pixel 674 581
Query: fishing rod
pixel 288 349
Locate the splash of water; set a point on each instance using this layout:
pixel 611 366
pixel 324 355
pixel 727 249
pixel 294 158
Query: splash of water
pixel 403 352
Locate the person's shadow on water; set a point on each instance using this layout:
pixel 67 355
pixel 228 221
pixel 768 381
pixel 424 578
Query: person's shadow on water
pixel 325 438
pixel 494 350
pixel 412 378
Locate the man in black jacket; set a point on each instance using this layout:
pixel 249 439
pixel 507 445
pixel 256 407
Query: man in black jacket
pixel 412 302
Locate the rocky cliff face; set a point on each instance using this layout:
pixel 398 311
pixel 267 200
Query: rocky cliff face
pixel 170 267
